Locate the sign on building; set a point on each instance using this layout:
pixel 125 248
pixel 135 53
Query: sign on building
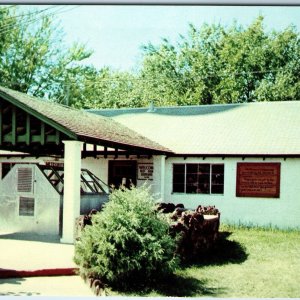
pixel 258 180
pixel 145 171
pixel 54 164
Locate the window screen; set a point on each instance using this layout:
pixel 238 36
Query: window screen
pixel 25 180
pixel 26 206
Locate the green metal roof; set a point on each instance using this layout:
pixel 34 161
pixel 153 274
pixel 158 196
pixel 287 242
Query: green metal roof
pixel 81 125
pixel 262 128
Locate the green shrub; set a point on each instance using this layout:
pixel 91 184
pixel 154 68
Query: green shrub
pixel 128 243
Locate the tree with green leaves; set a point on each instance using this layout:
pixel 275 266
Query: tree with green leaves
pixel 103 88
pixel 128 243
pixel 215 64
pixel 32 53
pixel 212 64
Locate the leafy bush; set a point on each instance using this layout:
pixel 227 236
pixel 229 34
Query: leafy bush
pixel 129 242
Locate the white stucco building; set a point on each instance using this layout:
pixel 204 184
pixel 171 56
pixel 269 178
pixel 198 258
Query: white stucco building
pixel 242 158
pixel 253 147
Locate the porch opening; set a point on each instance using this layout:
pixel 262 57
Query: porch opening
pixel 122 172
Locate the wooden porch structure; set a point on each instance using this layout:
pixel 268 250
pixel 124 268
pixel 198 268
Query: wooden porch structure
pixel 39 128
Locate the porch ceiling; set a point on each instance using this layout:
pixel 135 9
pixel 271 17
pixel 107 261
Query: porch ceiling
pixel 38 127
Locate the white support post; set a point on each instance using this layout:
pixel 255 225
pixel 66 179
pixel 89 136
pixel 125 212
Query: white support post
pixel 159 175
pixel 71 197
pixel 162 176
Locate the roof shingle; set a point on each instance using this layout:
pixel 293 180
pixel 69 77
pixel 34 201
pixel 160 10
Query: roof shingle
pixel 85 126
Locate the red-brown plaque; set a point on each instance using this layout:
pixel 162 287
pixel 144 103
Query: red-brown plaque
pixel 258 180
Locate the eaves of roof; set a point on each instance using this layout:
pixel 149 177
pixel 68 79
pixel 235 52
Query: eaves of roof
pixel 81 125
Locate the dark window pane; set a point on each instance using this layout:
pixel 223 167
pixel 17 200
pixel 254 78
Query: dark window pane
pixel 179 168
pixel 191 178
pixel 203 179
pixel 217 179
pixel 217 189
pixel 203 187
pixel 203 184
pixel 217 169
pixel 191 185
pixel 178 187
pixel 204 169
pixel 178 178
pixel 192 168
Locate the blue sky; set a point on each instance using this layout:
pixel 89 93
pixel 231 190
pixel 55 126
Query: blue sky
pixel 116 33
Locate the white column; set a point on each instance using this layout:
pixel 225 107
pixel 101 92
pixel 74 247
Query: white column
pixel 159 175
pixel 162 176
pixel 71 197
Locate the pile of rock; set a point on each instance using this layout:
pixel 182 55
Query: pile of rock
pixel 198 229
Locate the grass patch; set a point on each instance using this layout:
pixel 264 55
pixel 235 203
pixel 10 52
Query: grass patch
pixel 246 262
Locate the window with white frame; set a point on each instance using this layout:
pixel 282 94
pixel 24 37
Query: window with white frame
pixel 198 178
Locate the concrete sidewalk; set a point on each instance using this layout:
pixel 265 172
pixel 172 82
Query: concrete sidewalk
pixel 33 255
pixel 61 286
pixel 33 265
